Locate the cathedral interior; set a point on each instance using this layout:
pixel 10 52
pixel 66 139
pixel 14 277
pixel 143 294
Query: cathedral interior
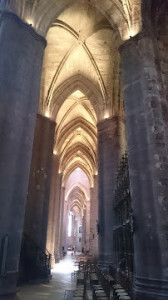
pixel 84 146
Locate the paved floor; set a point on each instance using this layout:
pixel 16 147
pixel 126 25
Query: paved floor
pixel 55 290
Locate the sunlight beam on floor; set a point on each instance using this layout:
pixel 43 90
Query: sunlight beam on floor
pixel 66 266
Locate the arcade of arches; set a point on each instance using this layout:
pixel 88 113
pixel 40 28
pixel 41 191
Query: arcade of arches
pixel 82 82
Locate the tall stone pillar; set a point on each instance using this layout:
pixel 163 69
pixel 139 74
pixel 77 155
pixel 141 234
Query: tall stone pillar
pixel 65 226
pixel 61 215
pixel 87 226
pixel 21 56
pixel 53 208
pixel 146 117
pixel 57 217
pixel 80 235
pixel 108 159
pixel 83 238
pixel 36 217
pixel 94 218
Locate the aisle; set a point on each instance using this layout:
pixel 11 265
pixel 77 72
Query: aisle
pixel 55 289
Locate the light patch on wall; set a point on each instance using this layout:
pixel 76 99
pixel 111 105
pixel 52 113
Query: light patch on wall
pixel 70 224
pixel 47 114
pixel 106 116
pixel 78 94
pixel 30 22
pixel 78 169
pixel 132 33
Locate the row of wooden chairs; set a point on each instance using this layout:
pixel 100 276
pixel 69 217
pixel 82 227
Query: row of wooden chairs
pixel 103 285
pixel 125 280
pixel 102 290
pixel 80 291
pixel 119 293
pixel 106 287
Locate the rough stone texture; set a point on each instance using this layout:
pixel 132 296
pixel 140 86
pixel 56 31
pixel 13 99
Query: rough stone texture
pixel 36 217
pixel 148 161
pixel 9 297
pixel 94 218
pixel 108 159
pixel 21 54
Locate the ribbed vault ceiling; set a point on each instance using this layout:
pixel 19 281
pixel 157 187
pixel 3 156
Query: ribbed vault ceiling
pixel 76 200
pixel 82 47
pixel 80 82
pixel 76 136
pixel 123 15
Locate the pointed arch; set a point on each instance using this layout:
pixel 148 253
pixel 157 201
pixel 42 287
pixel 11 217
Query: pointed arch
pixel 79 185
pixel 69 86
pixel 73 151
pixel 72 168
pixel 72 126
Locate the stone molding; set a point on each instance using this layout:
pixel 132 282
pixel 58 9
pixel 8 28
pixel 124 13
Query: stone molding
pixel 133 40
pixel 147 285
pixel 112 120
pixel 46 119
pixel 109 128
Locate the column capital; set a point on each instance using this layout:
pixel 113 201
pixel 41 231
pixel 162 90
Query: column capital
pixel 45 119
pixel 56 158
pixel 109 128
pixel 110 123
pixel 134 40
pixel 11 16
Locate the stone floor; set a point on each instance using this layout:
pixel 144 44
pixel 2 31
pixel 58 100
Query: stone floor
pixel 55 289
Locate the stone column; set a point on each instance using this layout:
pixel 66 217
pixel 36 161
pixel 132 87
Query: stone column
pixel 61 214
pixel 21 56
pixel 94 218
pixel 83 237
pixel 53 208
pixel 36 217
pixel 65 226
pixel 88 226
pixel 108 159
pixel 146 118
pixel 80 234
pixel 57 218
